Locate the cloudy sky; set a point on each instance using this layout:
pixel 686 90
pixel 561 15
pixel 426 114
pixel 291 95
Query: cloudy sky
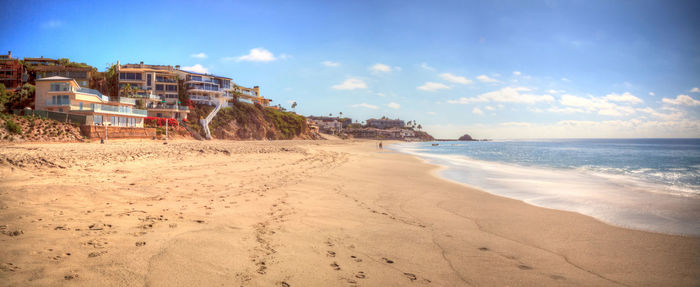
pixel 493 69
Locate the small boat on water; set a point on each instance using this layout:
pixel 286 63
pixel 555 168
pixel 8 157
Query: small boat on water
pixel 436 144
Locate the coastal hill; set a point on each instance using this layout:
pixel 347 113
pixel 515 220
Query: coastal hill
pixel 245 121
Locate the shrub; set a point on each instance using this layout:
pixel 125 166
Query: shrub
pixel 13 127
pixel 159 122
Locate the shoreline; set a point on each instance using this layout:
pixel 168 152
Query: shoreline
pixel 302 213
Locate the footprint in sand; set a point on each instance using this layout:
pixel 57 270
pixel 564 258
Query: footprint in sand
pixel 355 258
pixel 410 276
pixel 388 260
pixel 140 243
pixel 330 254
pixel 524 267
pixel 484 249
pixel 335 266
pixel 360 275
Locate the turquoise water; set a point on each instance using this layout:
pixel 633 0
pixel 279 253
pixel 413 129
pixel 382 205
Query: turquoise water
pixel 646 184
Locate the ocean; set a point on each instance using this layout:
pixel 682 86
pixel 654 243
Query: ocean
pixel 645 184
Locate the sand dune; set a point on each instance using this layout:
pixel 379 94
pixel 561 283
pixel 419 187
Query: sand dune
pixel 295 213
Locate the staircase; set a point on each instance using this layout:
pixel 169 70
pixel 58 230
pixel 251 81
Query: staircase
pixel 205 122
pixel 194 133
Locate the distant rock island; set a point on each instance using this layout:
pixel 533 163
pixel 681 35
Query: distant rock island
pixel 465 137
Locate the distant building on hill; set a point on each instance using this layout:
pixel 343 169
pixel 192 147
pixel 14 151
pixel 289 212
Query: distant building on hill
pixel 385 123
pixel 64 95
pixel 251 95
pixel 330 124
pixel 156 86
pixel 11 71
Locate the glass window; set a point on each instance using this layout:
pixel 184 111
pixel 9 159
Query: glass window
pixel 171 88
pixel 96 119
pixel 159 87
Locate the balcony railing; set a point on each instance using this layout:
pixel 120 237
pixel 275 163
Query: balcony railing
pixel 163 80
pixel 99 108
pixel 124 100
pixel 52 103
pixel 167 107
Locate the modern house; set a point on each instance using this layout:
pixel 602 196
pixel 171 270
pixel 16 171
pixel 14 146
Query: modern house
pixel 45 67
pixel 206 89
pixel 11 71
pixel 330 124
pixel 155 85
pixel 251 95
pixel 385 123
pixel 64 95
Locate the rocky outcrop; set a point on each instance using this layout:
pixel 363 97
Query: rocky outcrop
pixel 466 137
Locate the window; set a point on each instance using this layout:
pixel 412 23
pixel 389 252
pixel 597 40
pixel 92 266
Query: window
pixel 97 119
pixel 59 87
pixel 159 87
pixel 171 88
pixel 113 121
pixel 130 76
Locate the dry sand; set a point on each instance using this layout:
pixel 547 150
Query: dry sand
pixel 313 213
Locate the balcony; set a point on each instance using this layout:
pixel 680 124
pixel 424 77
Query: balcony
pixel 167 107
pixel 202 80
pixel 127 101
pixel 51 103
pixel 165 80
pixel 107 109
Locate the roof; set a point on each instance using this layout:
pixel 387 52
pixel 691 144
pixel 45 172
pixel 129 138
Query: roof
pixel 41 59
pixel 60 68
pixel 55 78
pixel 210 75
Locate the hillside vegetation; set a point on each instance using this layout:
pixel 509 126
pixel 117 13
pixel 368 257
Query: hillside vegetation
pixel 26 128
pixel 246 121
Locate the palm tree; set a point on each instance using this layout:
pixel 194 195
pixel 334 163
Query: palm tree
pixel 294 105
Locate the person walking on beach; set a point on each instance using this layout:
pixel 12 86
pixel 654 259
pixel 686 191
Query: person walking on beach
pixel 380 145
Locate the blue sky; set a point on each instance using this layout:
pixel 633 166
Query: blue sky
pixel 494 69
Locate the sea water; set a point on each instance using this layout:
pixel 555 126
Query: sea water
pixel 645 184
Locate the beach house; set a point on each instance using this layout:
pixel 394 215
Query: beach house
pixel 385 123
pixel 251 95
pixel 206 89
pixel 156 86
pixel 64 95
pixel 11 71
pixel 40 68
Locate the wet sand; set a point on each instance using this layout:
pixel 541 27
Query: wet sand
pixel 295 213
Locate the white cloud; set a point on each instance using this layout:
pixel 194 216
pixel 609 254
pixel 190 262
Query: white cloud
pixel 477 111
pixel 517 73
pixel 553 91
pixel 595 104
pixel 486 79
pixel 381 95
pixel 667 117
pixel 516 124
pixel 652 94
pixel 199 56
pixel 382 68
pixel 567 110
pixel 625 97
pixel 394 105
pixel 489 108
pixel 695 90
pixel 565 80
pixel 257 55
pixel 330 64
pixel 351 84
pixel 365 105
pixel 431 113
pixel 455 79
pixel 196 68
pixel 432 86
pixel 682 100
pixel 506 95
pixel 425 66
pixel 52 24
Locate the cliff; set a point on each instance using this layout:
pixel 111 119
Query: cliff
pixel 246 121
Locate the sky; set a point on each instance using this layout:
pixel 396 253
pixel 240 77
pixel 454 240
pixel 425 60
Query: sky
pixel 492 69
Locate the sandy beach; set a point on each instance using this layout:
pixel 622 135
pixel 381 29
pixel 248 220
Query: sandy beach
pixel 295 213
